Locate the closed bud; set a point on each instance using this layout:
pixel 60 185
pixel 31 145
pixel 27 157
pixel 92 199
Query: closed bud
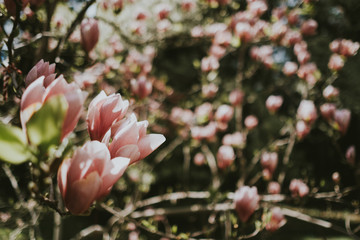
pixel 302 129
pixel 236 97
pixel 246 202
pixel 309 27
pixel 273 103
pixel 273 188
pixel 276 221
pixel 290 68
pixel 342 119
pixel 307 111
pixel 224 113
pixel 89 33
pixel 251 122
pixel 199 159
pixel 298 188
pixel 327 111
pixel 350 155
pixel 330 92
pixel 141 87
pixel 225 156
pixel 336 62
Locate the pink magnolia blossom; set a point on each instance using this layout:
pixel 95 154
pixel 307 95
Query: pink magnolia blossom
pixel 327 111
pixel 298 188
pixel 330 92
pixel 103 112
pixel 37 93
pixel 273 103
pixel 302 129
pixel 89 175
pixel 199 159
pixel 246 202
pixel 336 177
pixel 210 90
pixel 236 139
pixel 336 62
pixel 273 188
pixel 89 33
pixel 309 27
pixel 344 47
pixel 128 138
pixel 224 113
pixel 204 132
pixel 290 68
pixel 236 97
pixel 342 119
pixel 307 111
pixel 41 69
pixel 269 161
pixel 225 156
pixel 350 155
pixel 209 63
pixel 276 221
pixel 188 5
pixel 141 87
pixel 217 51
pixel 251 122
pixel 223 38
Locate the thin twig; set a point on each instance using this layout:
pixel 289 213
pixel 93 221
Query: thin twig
pixel 212 164
pixel 286 158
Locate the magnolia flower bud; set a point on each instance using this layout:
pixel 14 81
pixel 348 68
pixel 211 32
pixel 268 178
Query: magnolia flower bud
pixel 336 62
pixel 276 221
pixel 89 175
pixel 290 68
pixel 41 69
pixel 251 122
pixel 236 97
pixel 225 156
pixel 327 111
pixel 307 111
pixel 236 139
pixel 224 113
pixel 350 155
pixel 141 87
pixel 298 188
pixel 302 129
pixel 210 90
pixel 342 119
pixel 273 188
pixel 246 202
pixel 309 27
pixel 273 103
pixel 199 159
pixel 330 92
pixel 269 162
pixel 209 63
pixel 89 33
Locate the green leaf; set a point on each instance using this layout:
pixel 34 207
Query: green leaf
pixel 13 145
pixel 45 126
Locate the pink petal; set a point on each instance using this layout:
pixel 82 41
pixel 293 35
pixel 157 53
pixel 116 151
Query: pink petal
pixel 32 97
pixel 129 151
pixel 31 76
pixel 82 193
pixel 149 143
pixel 114 169
pixel 62 176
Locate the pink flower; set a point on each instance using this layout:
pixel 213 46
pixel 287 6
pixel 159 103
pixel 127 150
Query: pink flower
pixel 273 188
pixel 342 119
pixel 199 159
pixel 103 112
pixel 309 27
pixel 225 156
pixel 204 132
pixel 273 103
pixel 330 92
pixel 298 188
pixel 251 122
pixel 350 155
pixel 41 69
pixel 236 97
pixel 246 202
pixel 128 138
pixel 327 111
pixel 224 113
pixel 37 93
pixel 236 139
pixel 209 90
pixel 141 87
pixel 336 62
pixel 209 63
pixel 269 162
pixel 307 111
pixel 302 129
pixel 89 176
pixel 290 68
pixel 89 33
pixel 276 221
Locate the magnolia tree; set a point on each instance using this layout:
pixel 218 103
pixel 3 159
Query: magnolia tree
pixel 243 98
